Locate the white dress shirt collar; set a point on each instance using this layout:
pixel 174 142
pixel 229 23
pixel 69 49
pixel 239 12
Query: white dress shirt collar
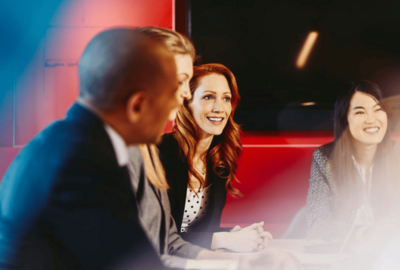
pixel 119 145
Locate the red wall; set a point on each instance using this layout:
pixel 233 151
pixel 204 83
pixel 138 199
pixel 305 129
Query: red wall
pixel 273 171
pixel 49 84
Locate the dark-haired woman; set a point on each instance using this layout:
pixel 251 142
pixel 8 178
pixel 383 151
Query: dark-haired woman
pixel 355 180
pixel 200 161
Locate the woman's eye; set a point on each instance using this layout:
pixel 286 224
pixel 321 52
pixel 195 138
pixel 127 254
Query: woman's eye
pixel 227 99
pixel 359 112
pixel 378 109
pixel 209 97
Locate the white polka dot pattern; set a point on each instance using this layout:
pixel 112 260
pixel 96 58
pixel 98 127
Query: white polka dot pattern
pixel 195 207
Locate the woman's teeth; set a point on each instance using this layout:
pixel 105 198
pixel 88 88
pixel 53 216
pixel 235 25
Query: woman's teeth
pixel 371 130
pixel 215 119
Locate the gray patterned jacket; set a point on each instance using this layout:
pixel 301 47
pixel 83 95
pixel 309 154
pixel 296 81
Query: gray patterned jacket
pixel 154 210
pixel 321 195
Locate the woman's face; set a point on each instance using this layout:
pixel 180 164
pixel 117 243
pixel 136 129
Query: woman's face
pixel 367 121
pixel 211 104
pixel 184 67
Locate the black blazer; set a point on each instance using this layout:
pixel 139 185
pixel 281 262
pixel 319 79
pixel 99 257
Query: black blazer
pixel 176 169
pixel 66 204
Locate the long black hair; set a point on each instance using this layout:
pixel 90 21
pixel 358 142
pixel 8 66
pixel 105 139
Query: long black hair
pixel 384 179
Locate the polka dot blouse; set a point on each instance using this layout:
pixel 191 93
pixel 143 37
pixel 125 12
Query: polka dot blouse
pixel 195 207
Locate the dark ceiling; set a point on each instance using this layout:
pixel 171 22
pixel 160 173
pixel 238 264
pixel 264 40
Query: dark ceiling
pixel 260 41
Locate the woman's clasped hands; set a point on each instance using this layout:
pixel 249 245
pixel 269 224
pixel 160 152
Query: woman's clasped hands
pixel 252 238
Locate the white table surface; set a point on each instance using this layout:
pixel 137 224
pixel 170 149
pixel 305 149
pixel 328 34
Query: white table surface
pixel 295 246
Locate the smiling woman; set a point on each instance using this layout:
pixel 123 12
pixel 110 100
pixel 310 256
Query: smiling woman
pixel 211 105
pixel 367 120
pixel 214 95
pixel 359 170
pixel 200 160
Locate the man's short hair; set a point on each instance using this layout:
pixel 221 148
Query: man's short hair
pixel 112 65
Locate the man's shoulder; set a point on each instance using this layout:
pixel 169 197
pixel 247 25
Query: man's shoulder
pixel 57 146
pixel 60 136
pixel 44 163
pixel 79 128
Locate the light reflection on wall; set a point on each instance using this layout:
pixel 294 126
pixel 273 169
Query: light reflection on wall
pixel 306 50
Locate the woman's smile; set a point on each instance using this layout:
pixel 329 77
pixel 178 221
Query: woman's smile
pixel 367 120
pixel 215 120
pixel 371 130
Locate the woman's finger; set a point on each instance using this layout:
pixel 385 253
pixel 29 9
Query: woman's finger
pixel 255 248
pixel 236 228
pixel 255 225
pixel 266 235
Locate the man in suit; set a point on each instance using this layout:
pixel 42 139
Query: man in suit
pixel 66 200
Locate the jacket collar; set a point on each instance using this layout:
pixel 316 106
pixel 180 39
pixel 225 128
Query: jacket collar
pixel 83 116
pixel 87 120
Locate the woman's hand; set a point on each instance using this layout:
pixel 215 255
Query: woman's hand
pixel 248 239
pixel 265 235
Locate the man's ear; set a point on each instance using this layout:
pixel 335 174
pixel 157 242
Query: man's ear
pixel 135 106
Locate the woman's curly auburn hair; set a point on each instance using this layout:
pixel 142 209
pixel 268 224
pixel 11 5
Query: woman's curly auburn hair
pixel 226 147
